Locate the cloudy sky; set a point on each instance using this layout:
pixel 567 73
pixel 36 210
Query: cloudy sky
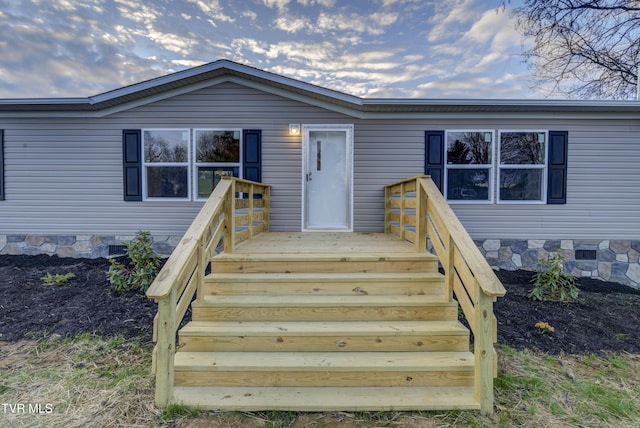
pixel 373 48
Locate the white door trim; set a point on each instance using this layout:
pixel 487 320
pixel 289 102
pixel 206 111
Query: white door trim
pixel 349 129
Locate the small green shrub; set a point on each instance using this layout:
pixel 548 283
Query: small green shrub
pixel 552 282
pixel 57 279
pixel 142 268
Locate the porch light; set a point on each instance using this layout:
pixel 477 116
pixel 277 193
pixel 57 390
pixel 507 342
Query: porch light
pixel 294 129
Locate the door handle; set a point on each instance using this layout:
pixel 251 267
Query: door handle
pixel 308 176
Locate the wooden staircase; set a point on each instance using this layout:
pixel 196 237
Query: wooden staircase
pixel 324 332
pixel 321 321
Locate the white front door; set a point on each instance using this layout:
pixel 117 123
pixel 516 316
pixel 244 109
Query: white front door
pixel 327 177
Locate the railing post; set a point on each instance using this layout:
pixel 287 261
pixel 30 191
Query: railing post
pixel 250 222
pixel 402 201
pixel 201 268
pixel 266 197
pixel 449 264
pixel 421 217
pixel 165 347
pixel 387 210
pixel 230 219
pixel 483 352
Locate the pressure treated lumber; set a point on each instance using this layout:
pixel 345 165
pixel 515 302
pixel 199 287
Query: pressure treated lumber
pixel 325 399
pixel 324 369
pixel 300 307
pixel 341 336
pixel 334 262
pixel 337 283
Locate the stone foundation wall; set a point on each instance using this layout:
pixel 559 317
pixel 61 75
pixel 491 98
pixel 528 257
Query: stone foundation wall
pixel 615 260
pixel 89 246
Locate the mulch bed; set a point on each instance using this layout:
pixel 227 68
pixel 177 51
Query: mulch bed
pixel 606 318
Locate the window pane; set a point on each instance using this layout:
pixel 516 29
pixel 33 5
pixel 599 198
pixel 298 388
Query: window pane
pixel 465 148
pixel 166 146
pixel 468 184
pixel 217 146
pixel 521 184
pixel 209 177
pixel 167 181
pixel 522 148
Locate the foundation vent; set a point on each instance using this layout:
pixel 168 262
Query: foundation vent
pixel 585 254
pixel 117 250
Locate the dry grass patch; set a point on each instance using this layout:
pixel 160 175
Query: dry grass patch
pixel 536 389
pixel 83 382
pixel 91 381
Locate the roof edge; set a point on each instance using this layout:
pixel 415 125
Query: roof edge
pixel 223 67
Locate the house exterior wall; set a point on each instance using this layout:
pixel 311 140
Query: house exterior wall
pixel 63 175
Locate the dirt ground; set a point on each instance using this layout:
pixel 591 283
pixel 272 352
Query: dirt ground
pixel 606 317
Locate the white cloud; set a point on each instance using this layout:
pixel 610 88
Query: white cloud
pixel 372 24
pixel 497 27
pixel 450 17
pixel 187 63
pixel 324 3
pixel 249 14
pixel 281 5
pixel 252 45
pixel 173 42
pixel 290 24
pixel 212 9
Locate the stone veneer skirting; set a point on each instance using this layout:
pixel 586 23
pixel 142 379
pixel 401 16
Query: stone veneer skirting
pixel 616 260
pixel 89 246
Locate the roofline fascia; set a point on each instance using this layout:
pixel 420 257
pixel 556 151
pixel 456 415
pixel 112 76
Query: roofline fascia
pixel 499 101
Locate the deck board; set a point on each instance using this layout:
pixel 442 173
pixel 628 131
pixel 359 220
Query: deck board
pixel 323 243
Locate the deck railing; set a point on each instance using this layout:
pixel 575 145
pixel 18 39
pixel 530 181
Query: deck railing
pixel 415 211
pixel 237 210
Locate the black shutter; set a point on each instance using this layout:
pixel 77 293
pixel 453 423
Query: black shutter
pixel 434 157
pixel 252 154
pixel 132 164
pixel 557 173
pixel 1 165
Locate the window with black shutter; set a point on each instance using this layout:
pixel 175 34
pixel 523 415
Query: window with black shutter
pixel 186 164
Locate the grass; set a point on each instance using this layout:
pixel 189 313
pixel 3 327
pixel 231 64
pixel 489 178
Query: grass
pixel 87 381
pixel 92 381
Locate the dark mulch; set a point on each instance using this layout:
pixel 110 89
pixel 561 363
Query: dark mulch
pixel 606 317
pixel 31 309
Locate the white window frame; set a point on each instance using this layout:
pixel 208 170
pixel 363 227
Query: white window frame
pixel 543 167
pixel 490 166
pixel 194 173
pixel 146 164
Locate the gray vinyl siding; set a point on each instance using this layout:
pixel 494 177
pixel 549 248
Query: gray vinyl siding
pixel 64 175
pixel 603 177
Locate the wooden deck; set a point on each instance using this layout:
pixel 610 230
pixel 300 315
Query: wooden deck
pixel 325 321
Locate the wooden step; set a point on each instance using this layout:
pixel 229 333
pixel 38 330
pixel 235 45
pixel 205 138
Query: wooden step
pixel 307 369
pixel 343 283
pixel 325 262
pixel 326 399
pixel 300 307
pixel 234 336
